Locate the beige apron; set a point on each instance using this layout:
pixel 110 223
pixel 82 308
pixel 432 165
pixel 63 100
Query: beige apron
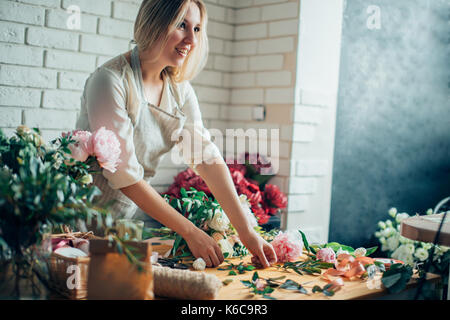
pixel 153 128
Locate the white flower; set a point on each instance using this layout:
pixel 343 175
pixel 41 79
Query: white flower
pixel 378 234
pixel 247 209
pixel 404 240
pixel 421 254
pixel 382 225
pixel 389 232
pixel 389 223
pixel 392 243
pixel 360 252
pixel 340 251
pixel 429 211
pixel 411 247
pixel 86 179
pixel 392 212
pixel 219 221
pixel 401 216
pixel 444 249
pixel 199 264
pixel 402 253
pixel 426 245
pixel 226 247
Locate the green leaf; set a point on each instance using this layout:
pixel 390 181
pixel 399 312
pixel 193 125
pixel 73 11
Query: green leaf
pixel 305 241
pixel 316 289
pixel 290 285
pixel 227 281
pixel 255 276
pixel 396 278
pixel 183 193
pixel 269 297
pixel 371 250
pixel 247 283
pixel 232 273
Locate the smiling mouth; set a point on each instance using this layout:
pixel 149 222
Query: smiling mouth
pixel 182 52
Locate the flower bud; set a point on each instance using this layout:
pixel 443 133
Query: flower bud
pixel 86 179
pixel 392 212
pixel 199 264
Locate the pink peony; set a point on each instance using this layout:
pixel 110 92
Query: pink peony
pixel 106 148
pixel 288 246
pixel 82 148
pixel 326 255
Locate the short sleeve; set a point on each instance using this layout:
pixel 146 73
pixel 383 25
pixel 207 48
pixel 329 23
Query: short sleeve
pixel 104 101
pixel 196 146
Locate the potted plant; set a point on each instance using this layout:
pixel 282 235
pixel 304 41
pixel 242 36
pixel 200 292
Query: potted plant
pixel 42 187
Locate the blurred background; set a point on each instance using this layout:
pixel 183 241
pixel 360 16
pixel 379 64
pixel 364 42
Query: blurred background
pixel 358 91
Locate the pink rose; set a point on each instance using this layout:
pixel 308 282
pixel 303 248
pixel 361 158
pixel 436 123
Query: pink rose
pixel 288 246
pixel 260 284
pixel 106 148
pixel 326 255
pixel 82 148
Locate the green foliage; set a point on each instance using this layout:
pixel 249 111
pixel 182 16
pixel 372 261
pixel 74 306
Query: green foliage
pixel 310 266
pixel 397 277
pixel 39 187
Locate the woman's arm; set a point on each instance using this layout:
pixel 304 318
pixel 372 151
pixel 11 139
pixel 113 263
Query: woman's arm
pixel 149 200
pixel 218 178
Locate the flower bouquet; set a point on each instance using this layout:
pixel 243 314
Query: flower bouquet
pixel 412 253
pixel 44 187
pixel 265 200
pixel 206 214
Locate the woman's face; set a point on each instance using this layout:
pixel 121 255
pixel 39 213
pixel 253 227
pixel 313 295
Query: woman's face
pixel 183 39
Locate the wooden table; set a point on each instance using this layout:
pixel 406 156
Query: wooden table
pixel 424 229
pixel 355 289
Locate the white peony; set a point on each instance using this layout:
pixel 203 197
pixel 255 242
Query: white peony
pixel 392 212
pixel 199 264
pixel 392 243
pixel 411 247
pixel 247 209
pixel 388 223
pixel 219 221
pixel 421 254
pixel 404 254
pixel 226 247
pixel 388 232
pixel 382 225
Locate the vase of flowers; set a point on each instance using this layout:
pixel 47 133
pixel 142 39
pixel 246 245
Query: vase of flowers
pixel 413 253
pixel 43 187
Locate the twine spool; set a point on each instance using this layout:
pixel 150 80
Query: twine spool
pixel 184 284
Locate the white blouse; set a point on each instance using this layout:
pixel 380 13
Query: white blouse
pixel 113 98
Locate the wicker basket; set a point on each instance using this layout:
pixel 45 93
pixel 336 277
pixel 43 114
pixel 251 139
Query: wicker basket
pixel 68 276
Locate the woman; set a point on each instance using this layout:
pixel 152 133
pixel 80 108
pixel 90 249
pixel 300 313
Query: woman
pixel 144 97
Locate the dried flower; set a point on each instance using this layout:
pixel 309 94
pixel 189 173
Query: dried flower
pixel 360 252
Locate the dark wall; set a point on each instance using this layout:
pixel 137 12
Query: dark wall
pixel 393 117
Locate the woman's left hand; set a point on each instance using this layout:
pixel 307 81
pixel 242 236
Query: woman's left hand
pixel 259 247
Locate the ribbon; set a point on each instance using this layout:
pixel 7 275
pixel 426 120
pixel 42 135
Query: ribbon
pixel 346 267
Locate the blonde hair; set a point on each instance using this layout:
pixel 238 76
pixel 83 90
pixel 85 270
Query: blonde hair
pixel 156 19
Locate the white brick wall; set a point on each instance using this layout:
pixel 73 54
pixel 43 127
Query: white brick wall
pixel 252 61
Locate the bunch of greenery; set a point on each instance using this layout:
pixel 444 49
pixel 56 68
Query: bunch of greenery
pixel 41 189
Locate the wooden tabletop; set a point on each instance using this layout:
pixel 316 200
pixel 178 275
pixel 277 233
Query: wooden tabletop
pixel 424 228
pixel 355 289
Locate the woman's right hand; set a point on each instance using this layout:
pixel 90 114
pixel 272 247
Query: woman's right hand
pixel 203 246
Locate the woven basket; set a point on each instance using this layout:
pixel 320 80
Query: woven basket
pixel 68 276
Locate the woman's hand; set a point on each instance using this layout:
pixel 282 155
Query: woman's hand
pixel 260 248
pixel 203 246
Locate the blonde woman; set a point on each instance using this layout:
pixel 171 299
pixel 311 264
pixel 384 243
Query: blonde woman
pixel 144 96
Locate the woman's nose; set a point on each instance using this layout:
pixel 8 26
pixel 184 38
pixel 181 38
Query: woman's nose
pixel 191 38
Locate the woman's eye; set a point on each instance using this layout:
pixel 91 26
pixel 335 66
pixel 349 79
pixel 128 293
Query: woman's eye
pixel 182 25
pixel 197 29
